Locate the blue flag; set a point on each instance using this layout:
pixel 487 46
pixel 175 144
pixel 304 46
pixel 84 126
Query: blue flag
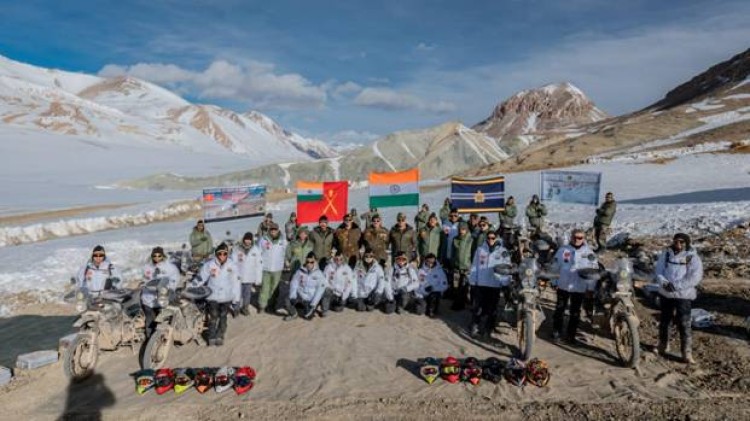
pixel 478 195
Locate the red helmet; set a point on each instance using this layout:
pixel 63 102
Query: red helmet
pixel 244 379
pixel 450 370
pixel 164 380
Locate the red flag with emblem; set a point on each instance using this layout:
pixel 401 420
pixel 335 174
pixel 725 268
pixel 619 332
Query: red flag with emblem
pixel 330 198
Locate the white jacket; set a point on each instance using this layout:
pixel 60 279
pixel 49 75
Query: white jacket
pixel 273 253
pixel 482 271
pixel 224 281
pixel 568 260
pixel 369 280
pixel 684 270
pixel 92 279
pixel 341 280
pixel 307 286
pixel 249 262
pixel 434 277
pixel 404 278
pixel 151 271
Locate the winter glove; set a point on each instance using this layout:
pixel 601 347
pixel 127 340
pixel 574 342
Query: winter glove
pixel 661 280
pixel 428 288
pixel 669 287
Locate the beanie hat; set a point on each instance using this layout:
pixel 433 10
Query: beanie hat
pixel 247 236
pixel 98 248
pixel 221 247
pixel 157 250
pixel 684 237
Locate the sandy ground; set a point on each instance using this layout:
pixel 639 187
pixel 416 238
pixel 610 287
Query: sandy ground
pixel 362 365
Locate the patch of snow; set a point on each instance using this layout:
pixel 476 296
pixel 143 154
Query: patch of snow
pixel 335 167
pixel 380 155
pixel 408 151
pixel 741 84
pixel 287 177
pixel 668 153
pixel 738 96
pixel 530 123
pixel 707 104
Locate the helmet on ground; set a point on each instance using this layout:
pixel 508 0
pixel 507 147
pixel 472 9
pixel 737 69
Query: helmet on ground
pixel 183 379
pixel 450 370
pixel 429 369
pixel 492 370
pixel 515 372
pixel 244 378
pixel 224 379
pixel 144 381
pixel 204 379
pixel 471 371
pixel 164 380
pixel 537 372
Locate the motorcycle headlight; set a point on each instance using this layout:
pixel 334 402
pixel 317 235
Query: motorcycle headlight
pixel 528 273
pixel 163 297
pixel 529 281
pixel 80 302
pixel 624 283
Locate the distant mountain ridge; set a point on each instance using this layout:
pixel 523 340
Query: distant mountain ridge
pixel 127 109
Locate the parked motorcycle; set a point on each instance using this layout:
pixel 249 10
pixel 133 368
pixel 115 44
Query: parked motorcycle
pixel 109 320
pixel 181 319
pixel 614 295
pixel 524 304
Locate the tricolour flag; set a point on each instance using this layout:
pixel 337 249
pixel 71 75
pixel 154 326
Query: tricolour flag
pixel 314 199
pixel 478 195
pixel 394 188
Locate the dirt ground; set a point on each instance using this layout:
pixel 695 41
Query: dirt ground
pixel 363 365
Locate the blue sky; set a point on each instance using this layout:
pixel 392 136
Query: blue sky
pixel 351 70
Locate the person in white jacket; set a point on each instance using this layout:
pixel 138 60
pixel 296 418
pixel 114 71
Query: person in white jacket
pixel 222 276
pixel 249 260
pixel 273 252
pixel 679 270
pixel 371 282
pixel 157 268
pixel 404 284
pixel 432 283
pixel 97 274
pixel 341 284
pixel 486 284
pixel 571 288
pixel 306 289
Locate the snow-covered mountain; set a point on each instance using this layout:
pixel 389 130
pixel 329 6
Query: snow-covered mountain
pixel 521 119
pixel 129 110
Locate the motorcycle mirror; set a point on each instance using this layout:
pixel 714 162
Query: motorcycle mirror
pixel 72 280
pixel 184 246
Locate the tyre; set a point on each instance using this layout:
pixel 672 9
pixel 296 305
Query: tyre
pixel 156 351
pixel 79 359
pixel 526 333
pixel 627 340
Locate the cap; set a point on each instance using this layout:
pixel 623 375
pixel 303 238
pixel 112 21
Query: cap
pixel 269 215
pixel 401 217
pixel 273 226
pixel 463 225
pixel 302 229
pixel 98 248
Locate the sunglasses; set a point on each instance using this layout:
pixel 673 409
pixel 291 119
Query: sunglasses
pixel 578 238
pixel 679 241
pixel 98 255
pixel 157 256
pixel 492 238
pixel 376 220
pixel 222 253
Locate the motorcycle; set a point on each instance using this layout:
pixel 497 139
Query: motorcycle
pixel 180 320
pixel 109 320
pixel 614 294
pixel 523 303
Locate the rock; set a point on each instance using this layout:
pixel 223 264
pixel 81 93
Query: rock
pixel 36 359
pixel 5 375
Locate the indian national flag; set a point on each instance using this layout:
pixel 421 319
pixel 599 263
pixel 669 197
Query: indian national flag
pixel 394 189
pixel 309 191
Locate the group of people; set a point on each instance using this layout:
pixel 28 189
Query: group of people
pixel 364 266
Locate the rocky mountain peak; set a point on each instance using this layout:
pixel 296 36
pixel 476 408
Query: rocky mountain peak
pixel 550 107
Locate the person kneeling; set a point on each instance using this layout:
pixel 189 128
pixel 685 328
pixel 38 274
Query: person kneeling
pixel 341 284
pixel 432 283
pixel 405 282
pixel 306 289
pixel 222 276
pixel 370 283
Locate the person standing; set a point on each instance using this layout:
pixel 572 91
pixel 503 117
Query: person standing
pixel 322 239
pixel 290 227
pixel 157 268
pixel 248 258
pixel 348 237
pixel 222 276
pixel 445 211
pixel 508 222
pixel 679 270
pixel 264 225
pixel 297 250
pixel 201 243
pixel 420 220
pixel 368 216
pixel 356 220
pixel 486 284
pixel 461 265
pixel 603 219
pixel 481 236
pixel 402 238
pixel 273 252
pixel 535 212
pixel 571 288
pixel 375 238
pixel 428 239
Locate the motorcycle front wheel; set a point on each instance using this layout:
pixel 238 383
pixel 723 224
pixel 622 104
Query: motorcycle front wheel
pixel 526 333
pixel 156 351
pixel 627 341
pixel 79 359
